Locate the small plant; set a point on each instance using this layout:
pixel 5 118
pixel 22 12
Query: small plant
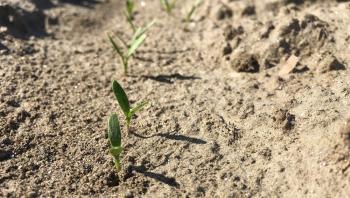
pixel 137 39
pixel 129 13
pixel 124 104
pixel 196 4
pixel 114 136
pixel 168 6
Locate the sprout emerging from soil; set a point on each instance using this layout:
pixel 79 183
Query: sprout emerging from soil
pixel 137 39
pixel 114 136
pixel 194 7
pixel 168 6
pixel 124 104
pixel 129 13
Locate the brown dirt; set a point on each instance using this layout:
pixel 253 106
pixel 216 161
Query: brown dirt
pixel 224 121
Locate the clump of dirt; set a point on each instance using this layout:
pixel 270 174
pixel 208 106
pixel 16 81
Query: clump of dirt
pixel 245 63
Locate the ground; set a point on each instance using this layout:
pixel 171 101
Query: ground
pixel 249 99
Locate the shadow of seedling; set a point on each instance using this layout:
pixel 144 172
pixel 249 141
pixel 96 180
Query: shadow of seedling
pixel 173 137
pixel 170 78
pixel 84 3
pixel 157 176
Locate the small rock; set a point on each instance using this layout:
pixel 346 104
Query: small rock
pixel 289 66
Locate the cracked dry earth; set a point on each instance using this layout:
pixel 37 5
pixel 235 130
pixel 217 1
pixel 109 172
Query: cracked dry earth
pixel 251 99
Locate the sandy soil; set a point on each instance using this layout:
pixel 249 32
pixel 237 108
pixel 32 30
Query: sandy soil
pixel 251 99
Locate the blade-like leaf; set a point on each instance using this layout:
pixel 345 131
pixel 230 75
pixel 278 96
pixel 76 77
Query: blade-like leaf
pixel 116 47
pixel 194 7
pixel 140 31
pixel 122 40
pixel 136 35
pixel 130 7
pixel 129 20
pixel 148 26
pixel 136 45
pixel 138 107
pixel 121 97
pixel 114 134
pixel 166 5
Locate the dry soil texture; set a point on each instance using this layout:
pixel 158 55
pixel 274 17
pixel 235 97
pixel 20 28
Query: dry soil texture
pixel 250 99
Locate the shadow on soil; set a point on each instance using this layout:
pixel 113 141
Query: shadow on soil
pixel 170 78
pixel 47 4
pixel 157 176
pixel 171 136
pixel 22 23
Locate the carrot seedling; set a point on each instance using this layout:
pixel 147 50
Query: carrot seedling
pixel 196 4
pixel 114 136
pixel 124 104
pixel 137 39
pixel 168 6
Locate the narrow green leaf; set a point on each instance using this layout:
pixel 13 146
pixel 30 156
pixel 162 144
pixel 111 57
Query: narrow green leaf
pixel 116 47
pixel 138 107
pixel 137 34
pixel 136 45
pixel 194 7
pixel 114 134
pixel 130 7
pixel 140 31
pixel 147 27
pixel 121 97
pixel 129 20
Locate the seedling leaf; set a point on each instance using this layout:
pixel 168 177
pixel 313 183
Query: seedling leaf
pixel 140 31
pixel 136 45
pixel 138 107
pixel 194 7
pixel 116 47
pixel 114 134
pixel 168 6
pixel 121 98
pixel 130 8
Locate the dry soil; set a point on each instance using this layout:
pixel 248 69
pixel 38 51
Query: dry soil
pixel 249 99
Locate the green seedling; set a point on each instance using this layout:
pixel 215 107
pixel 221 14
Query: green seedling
pixel 124 104
pixel 194 7
pixel 168 6
pixel 114 136
pixel 129 13
pixel 137 39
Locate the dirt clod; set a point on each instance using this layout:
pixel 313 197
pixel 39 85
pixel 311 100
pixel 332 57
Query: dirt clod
pixel 245 63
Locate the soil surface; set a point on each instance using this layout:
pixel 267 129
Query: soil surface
pixel 249 99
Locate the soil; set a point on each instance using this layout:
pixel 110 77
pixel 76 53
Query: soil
pixel 249 99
